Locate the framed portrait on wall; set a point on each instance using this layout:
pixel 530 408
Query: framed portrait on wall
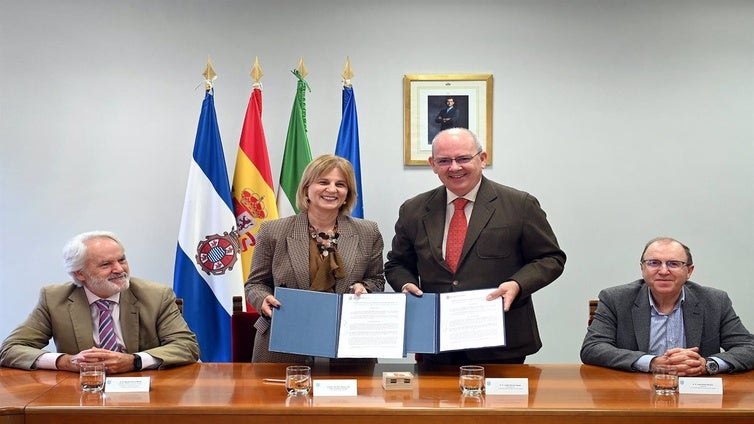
pixel 432 103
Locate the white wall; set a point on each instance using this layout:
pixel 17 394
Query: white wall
pixel 627 119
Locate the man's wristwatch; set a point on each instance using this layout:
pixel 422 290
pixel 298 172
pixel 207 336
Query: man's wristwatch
pixel 137 363
pixel 711 366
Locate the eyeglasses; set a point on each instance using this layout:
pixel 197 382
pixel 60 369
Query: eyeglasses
pixel 461 160
pixel 656 263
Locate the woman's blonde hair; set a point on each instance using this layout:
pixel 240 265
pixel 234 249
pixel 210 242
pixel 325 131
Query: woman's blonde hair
pixel 322 165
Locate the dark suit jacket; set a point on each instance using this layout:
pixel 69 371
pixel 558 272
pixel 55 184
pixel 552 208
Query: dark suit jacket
pixel 281 258
pixel 448 118
pixel 619 334
pixel 149 319
pixel 508 238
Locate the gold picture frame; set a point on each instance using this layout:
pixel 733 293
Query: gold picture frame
pixel 425 111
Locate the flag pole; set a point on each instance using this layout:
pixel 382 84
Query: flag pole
pixel 256 72
pixel 296 154
pixel 206 274
pixel 253 193
pixel 209 75
pixel 347 144
pixel 347 73
pixel 301 68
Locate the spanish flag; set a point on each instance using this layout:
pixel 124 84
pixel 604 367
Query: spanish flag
pixel 253 196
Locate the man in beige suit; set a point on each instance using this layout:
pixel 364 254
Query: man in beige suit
pixel 149 329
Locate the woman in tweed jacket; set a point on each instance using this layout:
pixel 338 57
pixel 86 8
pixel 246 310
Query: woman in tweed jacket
pixel 322 248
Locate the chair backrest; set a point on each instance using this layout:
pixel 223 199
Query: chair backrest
pixel 592 310
pixel 179 302
pixel 242 331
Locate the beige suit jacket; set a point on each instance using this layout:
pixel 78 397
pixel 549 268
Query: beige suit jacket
pixel 149 319
pixel 281 258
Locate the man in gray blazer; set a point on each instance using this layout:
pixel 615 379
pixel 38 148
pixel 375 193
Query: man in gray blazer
pixel 149 329
pixel 508 246
pixel 665 319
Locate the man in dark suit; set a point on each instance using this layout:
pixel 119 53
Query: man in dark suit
pixel 665 319
pixel 509 246
pixel 448 116
pixel 146 326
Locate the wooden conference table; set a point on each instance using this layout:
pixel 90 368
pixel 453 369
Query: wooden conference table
pixel 235 393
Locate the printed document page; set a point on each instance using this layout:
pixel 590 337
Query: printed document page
pixel 468 320
pixel 372 325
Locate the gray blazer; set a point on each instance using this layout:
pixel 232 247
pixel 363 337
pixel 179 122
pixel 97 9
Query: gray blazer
pixel 149 319
pixel 508 238
pixel 281 259
pixel 619 334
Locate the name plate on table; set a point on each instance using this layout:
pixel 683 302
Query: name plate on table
pixel 506 386
pixel 700 385
pixel 127 384
pixel 335 387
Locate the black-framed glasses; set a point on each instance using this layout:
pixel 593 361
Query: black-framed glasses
pixel 656 263
pixel 461 160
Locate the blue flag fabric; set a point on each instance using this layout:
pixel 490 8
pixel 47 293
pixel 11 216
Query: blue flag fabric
pixel 348 145
pixel 207 274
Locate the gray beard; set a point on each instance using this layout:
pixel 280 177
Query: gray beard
pixel 104 288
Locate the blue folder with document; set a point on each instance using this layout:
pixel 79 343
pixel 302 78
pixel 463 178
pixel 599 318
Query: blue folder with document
pixel 308 323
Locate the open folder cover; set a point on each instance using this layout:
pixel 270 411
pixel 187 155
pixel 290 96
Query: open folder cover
pixel 332 325
pixel 306 323
pixel 441 322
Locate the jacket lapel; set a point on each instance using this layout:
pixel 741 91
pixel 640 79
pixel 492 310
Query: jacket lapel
pixel 693 319
pixel 641 317
pixel 480 216
pixel 348 243
pixel 298 251
pixel 433 221
pixel 81 319
pixel 129 320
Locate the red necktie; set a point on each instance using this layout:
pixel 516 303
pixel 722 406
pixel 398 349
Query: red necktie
pixel 456 234
pixel 107 338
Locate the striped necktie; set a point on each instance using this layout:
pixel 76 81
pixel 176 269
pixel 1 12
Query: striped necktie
pixel 107 338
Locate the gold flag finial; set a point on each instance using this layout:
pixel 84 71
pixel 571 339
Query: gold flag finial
pixel 347 73
pixel 209 75
pixel 256 71
pixel 301 68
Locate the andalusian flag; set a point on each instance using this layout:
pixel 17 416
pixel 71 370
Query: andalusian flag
pixel 253 196
pixel 297 153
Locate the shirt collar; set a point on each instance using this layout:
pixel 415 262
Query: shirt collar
pixel 91 297
pixel 471 195
pixel 677 304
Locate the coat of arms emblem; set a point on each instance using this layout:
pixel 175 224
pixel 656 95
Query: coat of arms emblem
pixel 218 253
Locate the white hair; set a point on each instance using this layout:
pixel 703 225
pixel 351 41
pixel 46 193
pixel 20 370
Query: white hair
pixel 74 252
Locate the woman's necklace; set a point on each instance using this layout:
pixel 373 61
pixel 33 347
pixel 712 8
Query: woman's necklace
pixel 326 241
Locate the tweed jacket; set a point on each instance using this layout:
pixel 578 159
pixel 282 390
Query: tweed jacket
pixel 281 259
pixel 149 318
pixel 619 333
pixel 508 238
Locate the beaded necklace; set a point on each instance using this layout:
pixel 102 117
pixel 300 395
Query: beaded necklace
pixel 326 241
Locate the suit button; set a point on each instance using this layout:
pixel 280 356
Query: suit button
pixel 455 282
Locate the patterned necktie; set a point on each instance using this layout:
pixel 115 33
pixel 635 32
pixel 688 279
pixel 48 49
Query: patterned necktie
pixel 456 234
pixel 107 339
